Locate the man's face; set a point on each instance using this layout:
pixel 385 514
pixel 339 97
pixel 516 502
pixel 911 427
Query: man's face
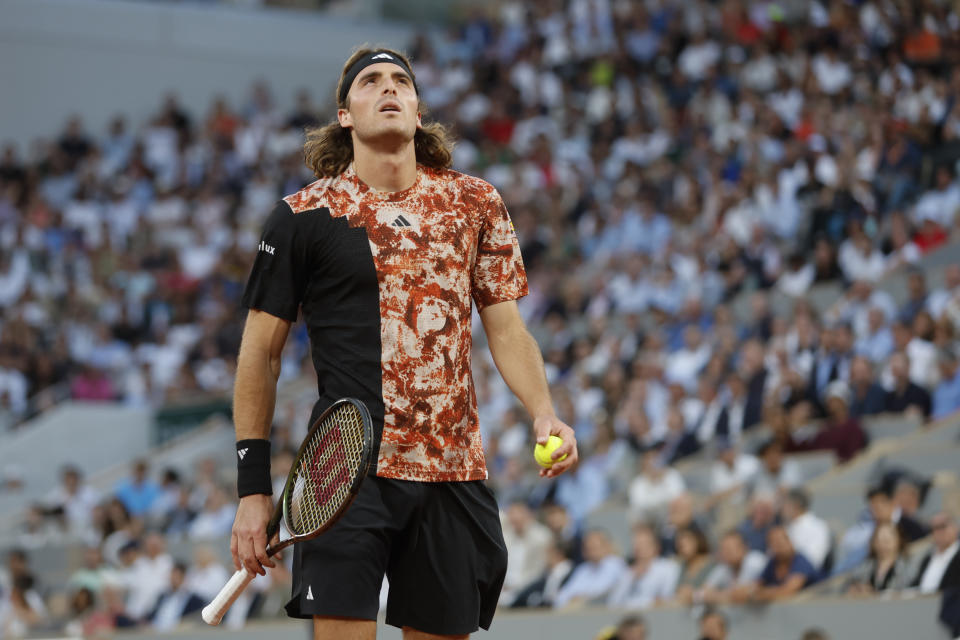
pixel 732 550
pixel 594 547
pixel 712 627
pixel 779 543
pixel 382 105
pixel 881 508
pixel 944 531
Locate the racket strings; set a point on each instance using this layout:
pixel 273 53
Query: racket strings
pixel 325 470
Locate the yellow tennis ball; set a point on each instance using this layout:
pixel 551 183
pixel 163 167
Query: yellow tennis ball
pixel 542 452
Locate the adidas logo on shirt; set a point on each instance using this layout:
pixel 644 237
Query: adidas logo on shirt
pixel 400 222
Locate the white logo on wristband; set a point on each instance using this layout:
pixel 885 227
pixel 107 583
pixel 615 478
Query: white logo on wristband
pixel 243 452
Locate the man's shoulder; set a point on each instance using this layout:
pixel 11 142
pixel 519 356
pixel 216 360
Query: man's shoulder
pixel 455 181
pixel 317 194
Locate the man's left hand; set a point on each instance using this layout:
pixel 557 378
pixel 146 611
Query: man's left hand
pixel 546 426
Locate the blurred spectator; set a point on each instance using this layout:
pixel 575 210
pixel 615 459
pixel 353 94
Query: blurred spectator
pixel 939 300
pixel 216 519
pixel 138 492
pixel 542 592
pixel 86 619
pixel 145 575
pixel 732 579
pixel 75 498
pixel 176 603
pixel 917 297
pixel 814 634
pixel 22 609
pixel 809 534
pixel 527 544
pixel 940 568
pixel 787 571
pixel 681 515
pixel 595 578
pixel 94 573
pixel 776 473
pixel 713 625
pixel 564 530
pixel 840 432
pixel 905 396
pixel 166 503
pixel 886 565
pixel 855 544
pixel 732 471
pixel 650 579
pixel 656 485
pixel 867 397
pixel 632 627
pixel 761 517
pixel 695 560
pixel 946 395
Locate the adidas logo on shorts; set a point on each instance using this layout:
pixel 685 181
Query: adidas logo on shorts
pixel 309 592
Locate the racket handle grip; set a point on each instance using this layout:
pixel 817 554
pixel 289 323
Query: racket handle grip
pixel 214 612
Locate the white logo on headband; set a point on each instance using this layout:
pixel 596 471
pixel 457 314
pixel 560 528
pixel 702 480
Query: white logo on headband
pixel 382 55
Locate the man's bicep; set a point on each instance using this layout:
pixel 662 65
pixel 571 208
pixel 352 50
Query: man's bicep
pixel 265 332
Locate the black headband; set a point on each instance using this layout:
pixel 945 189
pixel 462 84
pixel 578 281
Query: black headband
pixel 374 57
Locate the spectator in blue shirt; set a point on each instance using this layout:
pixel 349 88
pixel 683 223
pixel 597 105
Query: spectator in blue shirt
pixel 138 493
pixel 946 396
pixel 787 571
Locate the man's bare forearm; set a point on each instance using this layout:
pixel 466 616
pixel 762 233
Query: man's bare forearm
pixel 258 369
pixel 254 395
pixel 517 356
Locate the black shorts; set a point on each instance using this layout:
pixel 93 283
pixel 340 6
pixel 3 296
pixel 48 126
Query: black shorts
pixel 439 544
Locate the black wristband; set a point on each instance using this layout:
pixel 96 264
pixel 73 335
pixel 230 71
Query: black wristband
pixel 253 467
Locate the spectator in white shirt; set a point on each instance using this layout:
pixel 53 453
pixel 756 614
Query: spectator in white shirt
pixel 731 471
pixel 145 576
pixel 652 490
pixel 940 569
pixel 216 519
pixel 650 579
pixel 941 203
pixel 527 544
pixel 809 534
pixel 594 578
pixel 685 364
pixel 776 474
pixel 75 498
pixel 860 260
pixel 938 299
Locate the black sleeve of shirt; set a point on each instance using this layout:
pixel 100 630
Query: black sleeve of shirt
pixel 280 270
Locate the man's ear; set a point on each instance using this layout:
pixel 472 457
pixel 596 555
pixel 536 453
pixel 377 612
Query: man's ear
pixel 343 115
pixel 419 121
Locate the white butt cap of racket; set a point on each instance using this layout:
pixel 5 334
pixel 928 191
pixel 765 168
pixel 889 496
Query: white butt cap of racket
pixel 213 613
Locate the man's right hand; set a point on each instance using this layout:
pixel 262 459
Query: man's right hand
pixel 248 540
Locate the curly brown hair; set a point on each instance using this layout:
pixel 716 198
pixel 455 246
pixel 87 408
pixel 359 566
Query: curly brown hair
pixel 328 149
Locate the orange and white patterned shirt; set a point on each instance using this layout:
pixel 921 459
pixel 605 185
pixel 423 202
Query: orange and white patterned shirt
pixel 385 281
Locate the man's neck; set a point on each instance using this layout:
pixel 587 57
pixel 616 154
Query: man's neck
pixel 390 169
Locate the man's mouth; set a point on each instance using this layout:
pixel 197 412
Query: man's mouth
pixel 389 106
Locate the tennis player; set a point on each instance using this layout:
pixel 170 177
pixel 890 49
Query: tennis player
pixel 384 254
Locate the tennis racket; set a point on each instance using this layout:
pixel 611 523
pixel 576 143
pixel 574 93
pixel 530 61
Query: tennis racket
pixel 324 479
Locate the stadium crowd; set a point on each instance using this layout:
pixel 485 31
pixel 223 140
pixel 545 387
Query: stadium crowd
pixel 661 161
